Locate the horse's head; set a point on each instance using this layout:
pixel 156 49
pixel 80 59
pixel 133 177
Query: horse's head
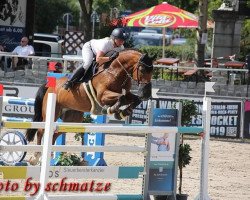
pixel 143 75
pixel 139 67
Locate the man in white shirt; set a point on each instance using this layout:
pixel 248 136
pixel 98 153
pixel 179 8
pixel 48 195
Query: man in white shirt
pixel 97 48
pixel 23 50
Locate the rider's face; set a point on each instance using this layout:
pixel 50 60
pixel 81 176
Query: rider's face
pixel 119 42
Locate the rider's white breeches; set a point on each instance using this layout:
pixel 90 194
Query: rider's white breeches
pixel 87 56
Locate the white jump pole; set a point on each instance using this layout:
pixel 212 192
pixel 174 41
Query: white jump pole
pixel 47 145
pixel 206 118
pixel 1 105
pixel 205 149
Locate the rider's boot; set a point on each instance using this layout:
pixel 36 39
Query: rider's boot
pixel 76 76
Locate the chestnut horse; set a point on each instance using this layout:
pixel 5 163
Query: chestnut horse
pixel 105 93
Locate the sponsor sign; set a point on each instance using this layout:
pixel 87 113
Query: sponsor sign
pixel 225 119
pixel 20 91
pixel 139 115
pixel 247 120
pixel 225 116
pixel 12 94
pixel 12 20
pixel 163 168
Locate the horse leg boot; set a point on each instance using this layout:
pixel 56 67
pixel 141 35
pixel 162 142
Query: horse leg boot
pixel 117 105
pixel 121 114
pixel 77 75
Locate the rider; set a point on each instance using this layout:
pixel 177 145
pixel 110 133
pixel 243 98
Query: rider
pixel 97 48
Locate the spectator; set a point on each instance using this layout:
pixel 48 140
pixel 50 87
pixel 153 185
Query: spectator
pixel 23 50
pixel 5 62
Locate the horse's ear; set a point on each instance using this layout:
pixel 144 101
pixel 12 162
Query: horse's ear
pixel 144 55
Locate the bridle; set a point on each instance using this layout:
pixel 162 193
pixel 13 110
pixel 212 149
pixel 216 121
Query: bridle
pixel 144 66
pixel 137 68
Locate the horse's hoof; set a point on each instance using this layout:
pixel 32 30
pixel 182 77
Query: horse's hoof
pixel 127 112
pixel 34 161
pixel 117 116
pixel 122 114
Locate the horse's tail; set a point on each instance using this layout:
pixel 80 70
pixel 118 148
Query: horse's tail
pixel 30 133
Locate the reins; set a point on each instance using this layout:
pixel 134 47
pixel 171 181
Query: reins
pixel 128 75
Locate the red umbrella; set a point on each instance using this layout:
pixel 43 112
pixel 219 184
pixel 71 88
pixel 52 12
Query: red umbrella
pixel 162 15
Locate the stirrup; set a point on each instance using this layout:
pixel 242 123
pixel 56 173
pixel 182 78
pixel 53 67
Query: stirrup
pixel 68 85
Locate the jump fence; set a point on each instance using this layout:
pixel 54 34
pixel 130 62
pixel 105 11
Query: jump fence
pixel 116 172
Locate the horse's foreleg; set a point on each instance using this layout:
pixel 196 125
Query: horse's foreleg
pixel 116 100
pixel 37 155
pixel 133 101
pixel 120 102
pixel 113 99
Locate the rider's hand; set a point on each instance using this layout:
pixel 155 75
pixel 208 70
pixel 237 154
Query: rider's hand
pixel 114 56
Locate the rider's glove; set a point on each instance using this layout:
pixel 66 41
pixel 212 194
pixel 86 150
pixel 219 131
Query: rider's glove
pixel 114 56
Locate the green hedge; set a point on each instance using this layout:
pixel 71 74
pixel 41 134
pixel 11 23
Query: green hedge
pixel 183 52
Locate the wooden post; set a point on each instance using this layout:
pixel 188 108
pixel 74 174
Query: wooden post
pixel 201 33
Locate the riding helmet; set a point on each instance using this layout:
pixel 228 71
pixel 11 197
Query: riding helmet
pixel 119 33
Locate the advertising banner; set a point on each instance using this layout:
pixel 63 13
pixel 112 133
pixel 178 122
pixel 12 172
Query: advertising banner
pixel 225 119
pixel 12 20
pixel 20 91
pixel 225 116
pixel 139 115
pixel 162 168
pixel 247 120
pixel 12 95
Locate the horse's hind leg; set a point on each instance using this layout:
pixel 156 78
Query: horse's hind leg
pixel 73 116
pixel 40 132
pixel 37 155
pixel 35 160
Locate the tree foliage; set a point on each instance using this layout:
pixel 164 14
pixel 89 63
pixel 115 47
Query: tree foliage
pixel 213 5
pixel 189 109
pixel 86 8
pixel 49 14
pixel 183 160
pixel 245 40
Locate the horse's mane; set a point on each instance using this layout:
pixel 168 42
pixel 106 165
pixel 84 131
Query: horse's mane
pixel 131 49
pixel 122 52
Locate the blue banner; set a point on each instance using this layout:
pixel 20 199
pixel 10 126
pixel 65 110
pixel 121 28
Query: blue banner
pixel 10 37
pixel 163 166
